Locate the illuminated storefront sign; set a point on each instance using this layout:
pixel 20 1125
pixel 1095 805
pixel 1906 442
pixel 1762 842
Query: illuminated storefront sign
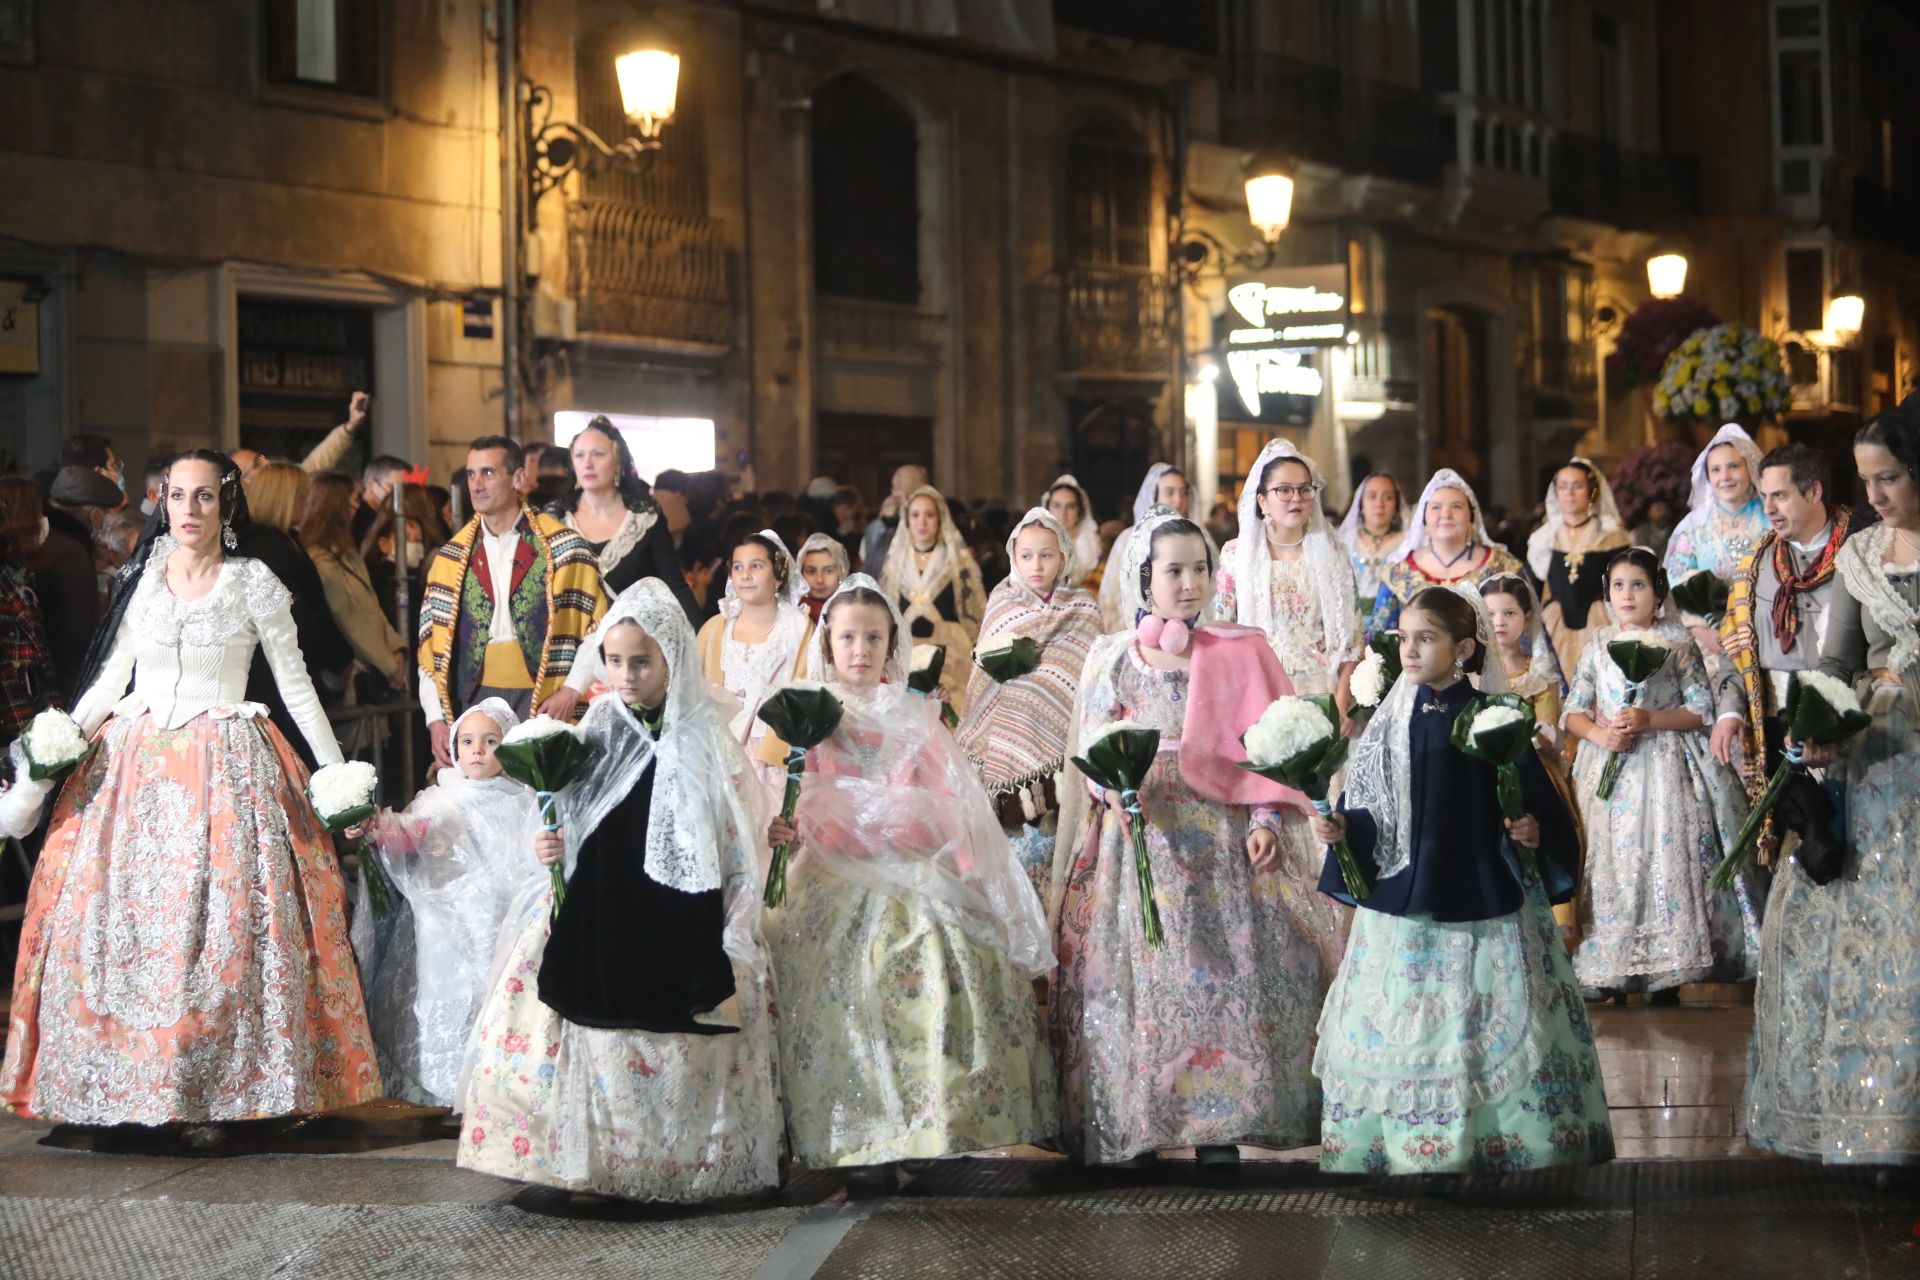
pixel 1273 323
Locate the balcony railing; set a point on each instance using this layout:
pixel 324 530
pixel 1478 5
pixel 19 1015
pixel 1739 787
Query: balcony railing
pixel 1566 379
pixel 637 272
pixel 1115 321
pixel 1312 112
pixel 1599 181
pixel 1182 24
pixel 858 329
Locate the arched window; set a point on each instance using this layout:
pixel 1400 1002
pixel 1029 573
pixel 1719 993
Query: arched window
pixel 866 194
pixel 1109 197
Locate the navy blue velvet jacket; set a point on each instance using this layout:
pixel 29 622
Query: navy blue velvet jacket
pixel 1463 866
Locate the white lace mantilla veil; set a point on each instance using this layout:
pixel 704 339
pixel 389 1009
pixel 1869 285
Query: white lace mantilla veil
pixel 707 821
pixel 1543 664
pixel 1736 435
pixel 821 542
pixel 900 811
pixel 1084 539
pixel 1604 509
pixel 1354 520
pixel 820 665
pixel 1379 771
pixel 1326 561
pixel 1445 478
pixel 1111 600
pixel 1075 803
pixel 1070 562
pixel 790 594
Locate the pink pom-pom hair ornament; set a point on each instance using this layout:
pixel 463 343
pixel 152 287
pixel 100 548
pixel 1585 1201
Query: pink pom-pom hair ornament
pixel 1169 635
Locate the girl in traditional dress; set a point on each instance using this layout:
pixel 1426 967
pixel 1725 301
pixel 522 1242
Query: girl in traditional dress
pixel 1833 1074
pixel 1565 554
pixel 1375 523
pixel 933 580
pixel 627 1045
pixel 1648 919
pixel 1454 1040
pixel 1165 486
pixel 1526 658
pixel 1206 1040
pixel 1725 517
pixel 457 855
pixel 758 640
pixel 910 938
pixel 185 953
pixel 823 566
pixel 1446 543
pixel 1016 733
pixel 1067 501
pixel 1286 576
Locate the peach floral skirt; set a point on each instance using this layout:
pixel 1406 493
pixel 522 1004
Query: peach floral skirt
pixel 185 952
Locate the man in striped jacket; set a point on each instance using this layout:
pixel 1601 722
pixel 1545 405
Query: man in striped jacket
pixel 507 602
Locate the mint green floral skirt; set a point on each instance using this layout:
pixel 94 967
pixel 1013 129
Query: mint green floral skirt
pixel 1459 1048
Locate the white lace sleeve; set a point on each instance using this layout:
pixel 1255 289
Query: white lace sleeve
pixel 271 607
pixel 109 686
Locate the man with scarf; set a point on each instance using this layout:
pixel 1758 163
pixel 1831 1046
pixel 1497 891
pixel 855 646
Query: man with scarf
pixel 1777 608
pixel 507 603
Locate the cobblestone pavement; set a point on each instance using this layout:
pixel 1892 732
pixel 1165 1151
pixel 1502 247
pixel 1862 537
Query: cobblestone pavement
pixel 374 1193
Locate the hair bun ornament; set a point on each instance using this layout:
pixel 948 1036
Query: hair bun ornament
pixel 1169 635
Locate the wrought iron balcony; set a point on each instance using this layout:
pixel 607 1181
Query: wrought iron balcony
pixel 1566 379
pixel 1602 182
pixel 637 272
pixel 1312 112
pixel 1114 321
pixel 854 328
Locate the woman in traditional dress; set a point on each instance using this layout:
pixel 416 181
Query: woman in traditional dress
pixel 1832 1075
pixel 1648 918
pixel 627 1046
pixel 185 953
pixel 907 948
pixel 1206 1040
pixel 758 640
pixel 1286 576
pixel 1066 500
pixel 1165 486
pixel 1567 552
pixel 1447 542
pixel 1016 732
pixel 933 580
pixel 1454 1040
pixel 622 524
pixel 1375 523
pixel 455 857
pixel 1725 517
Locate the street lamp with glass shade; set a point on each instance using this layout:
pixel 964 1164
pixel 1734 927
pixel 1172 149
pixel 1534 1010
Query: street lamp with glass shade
pixel 1667 275
pixel 1270 203
pixel 649 84
pixel 1845 314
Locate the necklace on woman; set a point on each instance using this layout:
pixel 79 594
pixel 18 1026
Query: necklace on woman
pixel 1448 564
pixel 1286 546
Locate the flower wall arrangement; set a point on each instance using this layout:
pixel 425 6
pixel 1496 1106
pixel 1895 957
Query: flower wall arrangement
pixel 1728 373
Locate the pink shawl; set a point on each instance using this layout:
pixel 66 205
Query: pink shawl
pixel 1235 677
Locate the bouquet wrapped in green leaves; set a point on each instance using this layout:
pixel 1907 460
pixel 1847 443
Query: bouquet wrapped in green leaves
pixel 923 677
pixel 1702 594
pixel 1498 728
pixel 804 713
pixel 545 754
pixel 343 797
pixel 1638 654
pixel 1819 709
pixel 1374 677
pixel 1296 743
pixel 53 746
pixel 1119 759
pixel 1007 657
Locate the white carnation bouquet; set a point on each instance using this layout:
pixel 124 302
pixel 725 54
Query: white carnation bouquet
pixel 545 754
pixel 1297 743
pixel 1374 677
pixel 1007 656
pixel 342 794
pixel 53 746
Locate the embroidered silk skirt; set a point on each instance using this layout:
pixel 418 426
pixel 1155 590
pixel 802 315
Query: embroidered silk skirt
pixel 185 952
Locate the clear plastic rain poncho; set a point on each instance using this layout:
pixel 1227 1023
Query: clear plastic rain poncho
pixel 890 803
pixel 706 825
pixel 1380 768
pixel 456 855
